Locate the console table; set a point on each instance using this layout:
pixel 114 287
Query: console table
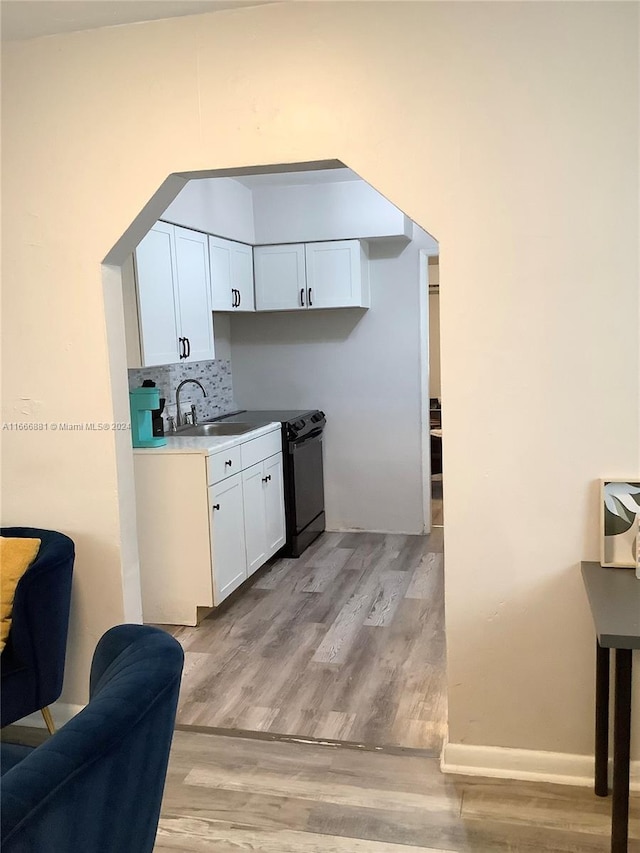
pixel 614 598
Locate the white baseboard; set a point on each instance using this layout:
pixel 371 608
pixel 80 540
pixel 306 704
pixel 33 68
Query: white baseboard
pixel 61 712
pixel 559 768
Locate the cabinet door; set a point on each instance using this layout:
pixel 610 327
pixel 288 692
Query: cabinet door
pixel 231 267
pixel 155 265
pixel 242 276
pixel 274 504
pixel 280 277
pixel 255 523
pixel 227 537
pixel 194 294
pixel 222 296
pixel 334 274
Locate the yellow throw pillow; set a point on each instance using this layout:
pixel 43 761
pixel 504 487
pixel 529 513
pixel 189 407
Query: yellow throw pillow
pixel 16 555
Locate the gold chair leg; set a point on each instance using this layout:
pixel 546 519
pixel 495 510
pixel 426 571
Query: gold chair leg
pixel 46 713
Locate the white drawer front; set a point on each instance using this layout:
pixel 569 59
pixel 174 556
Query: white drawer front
pixel 260 448
pixel 223 464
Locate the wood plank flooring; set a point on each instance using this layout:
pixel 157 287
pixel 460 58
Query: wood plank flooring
pixel 345 643
pixel 437 507
pixel 230 794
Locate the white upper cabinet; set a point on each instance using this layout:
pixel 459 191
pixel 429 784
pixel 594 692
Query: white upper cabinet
pixel 280 277
pixel 337 275
pixel 333 274
pixel 194 294
pixel 242 277
pixel 155 264
pixel 231 267
pixel 174 302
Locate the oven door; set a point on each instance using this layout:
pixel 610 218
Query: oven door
pixel 308 482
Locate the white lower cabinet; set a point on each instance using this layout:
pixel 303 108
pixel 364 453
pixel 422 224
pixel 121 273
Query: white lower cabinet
pixel 264 526
pixel 206 524
pixel 226 524
pixel 255 526
pixel 274 504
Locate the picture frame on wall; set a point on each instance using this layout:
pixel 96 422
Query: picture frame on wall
pixel 620 517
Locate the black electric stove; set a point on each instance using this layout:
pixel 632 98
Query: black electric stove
pixel 303 474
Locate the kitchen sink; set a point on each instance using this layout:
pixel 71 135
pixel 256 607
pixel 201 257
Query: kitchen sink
pixel 214 429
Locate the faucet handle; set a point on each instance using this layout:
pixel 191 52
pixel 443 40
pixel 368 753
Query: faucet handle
pixel 171 423
pixel 194 415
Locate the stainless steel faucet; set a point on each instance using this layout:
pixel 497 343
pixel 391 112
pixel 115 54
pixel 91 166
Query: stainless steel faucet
pixel 184 382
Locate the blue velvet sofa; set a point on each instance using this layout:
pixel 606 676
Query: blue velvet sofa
pixel 32 662
pixel 96 785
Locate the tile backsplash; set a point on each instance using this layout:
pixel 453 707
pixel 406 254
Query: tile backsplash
pixel 215 377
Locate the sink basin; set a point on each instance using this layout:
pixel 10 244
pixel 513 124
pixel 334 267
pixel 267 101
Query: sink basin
pixel 213 429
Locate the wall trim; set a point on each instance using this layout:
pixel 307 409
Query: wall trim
pixel 529 765
pixel 61 712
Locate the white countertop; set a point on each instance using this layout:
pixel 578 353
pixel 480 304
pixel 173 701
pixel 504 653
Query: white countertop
pixel 208 445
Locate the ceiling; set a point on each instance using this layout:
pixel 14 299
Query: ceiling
pixel 25 19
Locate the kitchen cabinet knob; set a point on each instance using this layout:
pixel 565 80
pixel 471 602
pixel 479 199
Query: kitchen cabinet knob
pixel 216 506
pixel 309 298
pixel 302 296
pixel 266 479
pixel 229 463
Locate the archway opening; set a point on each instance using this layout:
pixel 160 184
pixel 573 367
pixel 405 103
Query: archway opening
pixel 344 640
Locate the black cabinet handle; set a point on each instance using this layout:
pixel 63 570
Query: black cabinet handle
pixel 302 296
pixel 229 463
pixel 239 298
pixel 181 347
pixel 216 506
pixel 266 479
pixel 233 297
pixel 188 345
pixel 236 297
pixel 310 302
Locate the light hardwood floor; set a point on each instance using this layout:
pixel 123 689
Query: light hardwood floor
pixel 437 507
pixel 345 643
pixel 227 795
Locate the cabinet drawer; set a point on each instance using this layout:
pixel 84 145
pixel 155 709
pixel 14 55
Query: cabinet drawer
pixel 223 464
pixel 260 448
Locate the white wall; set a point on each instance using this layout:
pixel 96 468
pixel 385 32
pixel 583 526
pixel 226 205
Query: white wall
pixel 218 206
pixel 362 368
pixel 527 173
pixel 333 211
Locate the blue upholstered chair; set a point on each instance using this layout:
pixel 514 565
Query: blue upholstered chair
pixel 96 785
pixel 32 662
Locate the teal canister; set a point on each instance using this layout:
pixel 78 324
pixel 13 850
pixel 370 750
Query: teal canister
pixel 142 402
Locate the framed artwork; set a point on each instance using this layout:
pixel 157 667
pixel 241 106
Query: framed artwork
pixel 620 514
